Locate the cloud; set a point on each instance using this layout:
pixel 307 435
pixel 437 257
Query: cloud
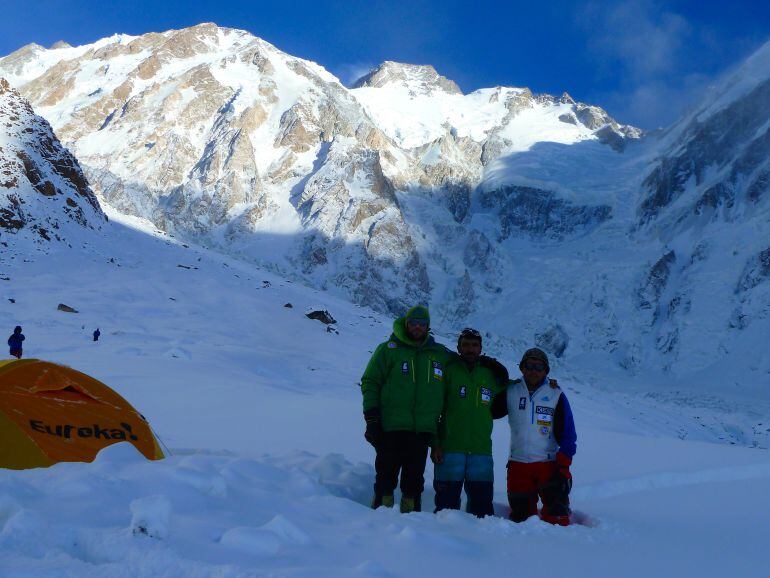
pixel 653 52
pixel 635 35
pixel 349 72
pixel 655 103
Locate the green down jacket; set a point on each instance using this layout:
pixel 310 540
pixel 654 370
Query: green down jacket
pixel 405 380
pixel 466 424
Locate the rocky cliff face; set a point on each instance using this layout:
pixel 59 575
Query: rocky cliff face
pixel 722 159
pixel 43 192
pixel 219 137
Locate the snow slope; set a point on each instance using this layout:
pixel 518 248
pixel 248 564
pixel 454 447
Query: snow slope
pixel 269 473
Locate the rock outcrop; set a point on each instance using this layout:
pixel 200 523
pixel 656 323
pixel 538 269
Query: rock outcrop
pixel 43 191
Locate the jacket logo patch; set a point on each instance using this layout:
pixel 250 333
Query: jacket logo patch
pixel 392 344
pixel 405 367
pixel 486 395
pixel 438 373
pixel 522 402
pixel 544 410
pixel 463 391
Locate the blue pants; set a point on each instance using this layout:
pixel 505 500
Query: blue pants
pixel 475 472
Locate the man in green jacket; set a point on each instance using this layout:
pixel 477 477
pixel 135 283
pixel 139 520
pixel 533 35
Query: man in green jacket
pixel 462 451
pixel 403 390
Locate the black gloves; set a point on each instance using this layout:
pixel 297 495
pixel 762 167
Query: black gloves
pixel 562 485
pixel 557 489
pixel 562 477
pixel 373 433
pixel 497 368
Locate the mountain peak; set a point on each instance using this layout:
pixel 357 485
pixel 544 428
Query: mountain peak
pixel 15 62
pixel 419 79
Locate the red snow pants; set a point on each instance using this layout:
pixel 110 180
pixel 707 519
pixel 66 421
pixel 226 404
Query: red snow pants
pixel 527 483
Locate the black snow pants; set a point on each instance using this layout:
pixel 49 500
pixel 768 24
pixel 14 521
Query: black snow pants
pixel 405 452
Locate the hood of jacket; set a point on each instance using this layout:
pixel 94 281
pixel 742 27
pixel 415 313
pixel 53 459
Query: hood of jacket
pixel 399 333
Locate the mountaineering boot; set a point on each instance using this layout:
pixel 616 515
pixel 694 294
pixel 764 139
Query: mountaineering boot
pixel 556 513
pixel 408 505
pixel 448 495
pixel 523 505
pixel 480 499
pixel 386 501
pixel 555 520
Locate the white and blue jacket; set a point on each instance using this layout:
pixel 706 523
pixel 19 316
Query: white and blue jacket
pixel 541 422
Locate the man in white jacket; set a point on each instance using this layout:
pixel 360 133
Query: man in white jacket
pixel 543 442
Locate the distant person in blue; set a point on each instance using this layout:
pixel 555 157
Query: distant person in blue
pixel 97 333
pixel 14 342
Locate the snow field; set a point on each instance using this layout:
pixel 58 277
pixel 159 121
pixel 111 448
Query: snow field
pixel 269 473
pixel 300 515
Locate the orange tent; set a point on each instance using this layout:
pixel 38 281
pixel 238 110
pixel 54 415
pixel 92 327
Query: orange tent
pixel 51 413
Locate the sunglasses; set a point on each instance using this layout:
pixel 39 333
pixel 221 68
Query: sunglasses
pixel 533 366
pixel 418 322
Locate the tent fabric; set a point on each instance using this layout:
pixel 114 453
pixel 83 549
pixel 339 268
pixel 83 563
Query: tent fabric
pixel 52 413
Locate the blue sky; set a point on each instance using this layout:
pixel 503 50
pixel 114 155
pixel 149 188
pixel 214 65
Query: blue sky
pixel 644 61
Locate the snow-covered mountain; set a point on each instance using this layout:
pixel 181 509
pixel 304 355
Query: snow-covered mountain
pixel 706 200
pixel 43 192
pixel 217 135
pixel 537 218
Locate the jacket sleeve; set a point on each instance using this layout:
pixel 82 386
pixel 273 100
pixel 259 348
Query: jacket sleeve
pixel 564 427
pixel 500 404
pixel 435 440
pixel 374 377
pixel 497 369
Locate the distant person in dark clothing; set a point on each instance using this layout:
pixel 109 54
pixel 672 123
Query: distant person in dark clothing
pixel 97 333
pixel 14 342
